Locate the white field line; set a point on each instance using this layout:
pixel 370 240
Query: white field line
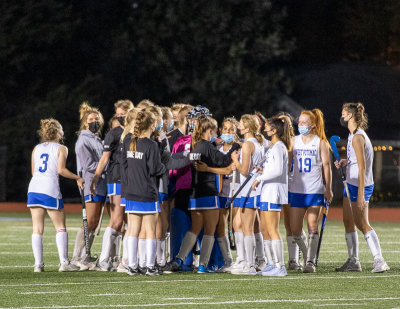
pixel 114 294
pixel 377 276
pixel 187 298
pixel 339 304
pixel 232 302
pixel 58 292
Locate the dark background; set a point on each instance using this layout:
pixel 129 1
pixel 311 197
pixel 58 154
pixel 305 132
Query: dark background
pixel 231 56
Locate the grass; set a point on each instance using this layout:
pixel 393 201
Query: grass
pixel 21 288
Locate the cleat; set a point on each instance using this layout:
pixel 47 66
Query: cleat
pixel 38 268
pixel 266 269
pixel 176 264
pixel 153 271
pixel 115 261
pixel 122 267
pixel 202 270
pixel 260 264
pixel 380 266
pixel 224 269
pixel 351 265
pixel 245 270
pixel 104 265
pixel 310 267
pixel 276 272
pixel 68 267
pixel 293 265
pixel 237 264
pixel 212 268
pixel 142 270
pixel 166 269
pixel 133 271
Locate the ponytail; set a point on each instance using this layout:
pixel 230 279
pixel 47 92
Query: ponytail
pixel 319 124
pixel 84 111
pixel 282 127
pixel 250 122
pixel 203 123
pixel 143 121
pixel 358 111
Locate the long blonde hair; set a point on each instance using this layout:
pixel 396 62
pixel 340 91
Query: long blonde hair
pixel 144 120
pixel 129 123
pixel 202 125
pixel 126 105
pixel 50 130
pixel 358 111
pixel 250 122
pixel 84 111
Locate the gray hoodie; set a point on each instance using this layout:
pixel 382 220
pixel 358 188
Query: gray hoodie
pixel 89 149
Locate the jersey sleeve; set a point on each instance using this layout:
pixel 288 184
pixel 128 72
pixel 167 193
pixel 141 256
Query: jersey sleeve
pixel 110 142
pixel 217 158
pixel 275 167
pixel 85 157
pixel 156 168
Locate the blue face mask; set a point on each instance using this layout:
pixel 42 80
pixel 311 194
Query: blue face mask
pixel 171 126
pixel 304 130
pixel 228 138
pixel 160 126
pixel 191 126
pixel 213 138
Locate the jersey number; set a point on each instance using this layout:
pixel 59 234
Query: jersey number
pixel 45 158
pixel 307 165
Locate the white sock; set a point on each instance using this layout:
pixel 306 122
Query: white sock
pixel 225 250
pixel 79 243
pixel 313 239
pixel 277 251
pixel 302 245
pixel 37 248
pixel 62 246
pixel 187 244
pixel 160 252
pixel 250 246
pixel 207 244
pixel 268 252
pixel 304 237
pixel 355 244
pixel 240 252
pixel 352 245
pixel 125 248
pixel 259 246
pixel 108 241
pixel 150 252
pixel 293 249
pixel 373 244
pixel 117 243
pixel 142 252
pixel 132 246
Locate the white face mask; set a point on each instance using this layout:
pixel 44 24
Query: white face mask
pixel 304 130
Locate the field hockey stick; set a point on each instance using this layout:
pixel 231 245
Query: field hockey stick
pixel 85 223
pixel 230 222
pixel 97 231
pixel 333 140
pixel 321 233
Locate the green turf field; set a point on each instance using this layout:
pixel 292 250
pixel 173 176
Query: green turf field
pixel 21 288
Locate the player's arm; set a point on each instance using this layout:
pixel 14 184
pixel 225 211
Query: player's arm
pixel 326 165
pixel 247 151
pixel 274 170
pixel 358 145
pixel 203 167
pixel 105 157
pixel 33 162
pixel 290 157
pixel 62 169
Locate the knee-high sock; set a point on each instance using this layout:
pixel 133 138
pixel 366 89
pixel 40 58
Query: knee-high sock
pixel 250 246
pixel 91 239
pixel 240 251
pixel 259 246
pixel 225 250
pixel 207 244
pixel 268 252
pixel 132 246
pixel 293 249
pixel 108 241
pixel 373 244
pixel 277 250
pixel 79 244
pixel 302 245
pixel 125 247
pixel 150 252
pixel 187 244
pixel 160 252
pixel 142 252
pixel 352 244
pixel 313 239
pixel 117 243
pixel 37 248
pixel 62 245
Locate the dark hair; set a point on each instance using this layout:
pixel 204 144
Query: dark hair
pixel 358 111
pixel 282 127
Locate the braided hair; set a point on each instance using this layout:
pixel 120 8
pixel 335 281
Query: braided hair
pixel 144 120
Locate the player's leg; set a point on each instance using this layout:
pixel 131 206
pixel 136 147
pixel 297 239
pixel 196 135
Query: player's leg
pixel 267 244
pixel 223 240
pixel 239 236
pixel 161 230
pixel 260 255
pixel 210 220
pixel 132 236
pixel 312 214
pixel 38 215
pixel 150 222
pixel 293 248
pixel 296 226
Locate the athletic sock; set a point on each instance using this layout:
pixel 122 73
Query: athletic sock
pixel 355 245
pixel 150 252
pixel 373 244
pixel 352 245
pixel 268 251
pixel 259 246
pixel 125 247
pixel 108 241
pixel 62 245
pixel 304 237
pixel 207 244
pixel 79 243
pixel 313 239
pixel 277 252
pixel 117 243
pixel 250 246
pixel 37 248
pixel 293 249
pixel 132 246
pixel 187 245
pixel 160 252
pixel 302 245
pixel 142 252
pixel 225 250
pixel 240 252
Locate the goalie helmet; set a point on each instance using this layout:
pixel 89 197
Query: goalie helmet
pixel 195 112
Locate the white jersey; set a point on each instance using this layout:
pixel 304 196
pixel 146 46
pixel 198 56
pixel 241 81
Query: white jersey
pixel 227 179
pixel 352 166
pixel 45 172
pixel 258 154
pixel 306 176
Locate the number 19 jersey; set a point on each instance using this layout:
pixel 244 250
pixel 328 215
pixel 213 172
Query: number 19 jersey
pixel 306 174
pixel 45 173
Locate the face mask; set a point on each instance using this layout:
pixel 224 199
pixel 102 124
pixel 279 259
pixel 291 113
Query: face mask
pixel 121 120
pixel 268 137
pixel 213 138
pixel 344 123
pixel 304 130
pixel 171 126
pixel 191 126
pixel 160 126
pixel 227 138
pixel 94 126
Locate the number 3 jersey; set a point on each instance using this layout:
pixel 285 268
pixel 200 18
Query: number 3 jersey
pixel 45 172
pixel 306 171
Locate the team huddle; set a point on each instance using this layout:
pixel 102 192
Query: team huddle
pixel 182 192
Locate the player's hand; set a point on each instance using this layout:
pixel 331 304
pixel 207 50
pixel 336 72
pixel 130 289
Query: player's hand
pixel 259 169
pixel 235 155
pixel 342 162
pixel 80 182
pixel 219 141
pixel 361 204
pixel 328 195
pixel 233 166
pixel 200 166
pixel 93 185
pixel 255 185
